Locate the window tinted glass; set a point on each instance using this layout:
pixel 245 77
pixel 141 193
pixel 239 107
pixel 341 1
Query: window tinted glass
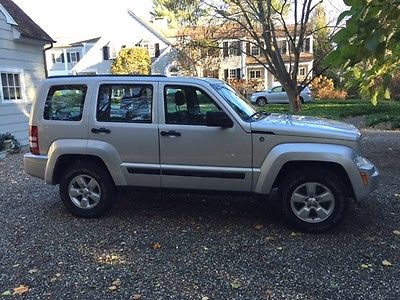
pixel 187 105
pixel 65 103
pixel 130 103
pixel 277 89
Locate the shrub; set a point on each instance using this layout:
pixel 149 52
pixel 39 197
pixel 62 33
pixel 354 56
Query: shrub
pixel 246 88
pixel 323 88
pixel 15 146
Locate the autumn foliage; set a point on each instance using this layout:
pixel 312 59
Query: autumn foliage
pixel 132 61
pixel 324 88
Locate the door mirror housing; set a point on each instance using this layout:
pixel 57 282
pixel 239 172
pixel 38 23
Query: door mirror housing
pixel 218 119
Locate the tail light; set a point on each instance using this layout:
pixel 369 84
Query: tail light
pixel 34 140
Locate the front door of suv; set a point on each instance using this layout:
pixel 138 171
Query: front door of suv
pixel 196 156
pixel 125 124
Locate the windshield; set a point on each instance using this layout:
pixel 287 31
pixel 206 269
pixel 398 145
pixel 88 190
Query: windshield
pixel 243 107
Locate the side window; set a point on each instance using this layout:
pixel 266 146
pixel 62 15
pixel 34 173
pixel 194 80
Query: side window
pixel 187 105
pixel 65 103
pixel 130 103
pixel 277 89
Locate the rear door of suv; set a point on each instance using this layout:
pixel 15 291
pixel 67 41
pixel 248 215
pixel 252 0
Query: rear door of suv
pixel 125 121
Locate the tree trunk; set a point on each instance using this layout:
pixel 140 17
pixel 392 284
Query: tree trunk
pixel 294 100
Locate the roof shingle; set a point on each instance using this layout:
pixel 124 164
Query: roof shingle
pixel 26 26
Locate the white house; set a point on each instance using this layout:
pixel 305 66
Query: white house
pixel 95 56
pixel 22 66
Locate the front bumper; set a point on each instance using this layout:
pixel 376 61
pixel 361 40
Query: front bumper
pixel 35 165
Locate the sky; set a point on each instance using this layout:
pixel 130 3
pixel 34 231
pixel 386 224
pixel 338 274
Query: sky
pixel 79 19
pixel 73 20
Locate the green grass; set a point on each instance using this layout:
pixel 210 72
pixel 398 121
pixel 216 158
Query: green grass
pixel 384 111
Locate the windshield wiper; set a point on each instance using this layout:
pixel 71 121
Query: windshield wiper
pixel 258 113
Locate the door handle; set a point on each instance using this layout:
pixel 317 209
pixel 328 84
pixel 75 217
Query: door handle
pixel 101 130
pixel 170 133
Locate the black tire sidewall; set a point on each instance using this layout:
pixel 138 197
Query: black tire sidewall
pixel 331 181
pixel 261 100
pixel 107 187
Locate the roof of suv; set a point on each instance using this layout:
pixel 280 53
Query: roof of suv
pixel 76 78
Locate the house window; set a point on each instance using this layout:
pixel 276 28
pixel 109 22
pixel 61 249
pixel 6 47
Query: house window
pixel 58 58
pixel 232 74
pixel 255 74
pixel 306 46
pixel 11 86
pixel 235 48
pixel 282 47
pixel 302 71
pixel 255 50
pixel 73 57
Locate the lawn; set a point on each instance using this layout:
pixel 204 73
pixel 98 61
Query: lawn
pixel 384 111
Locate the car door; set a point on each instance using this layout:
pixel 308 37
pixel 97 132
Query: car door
pixel 277 95
pixel 125 125
pixel 194 155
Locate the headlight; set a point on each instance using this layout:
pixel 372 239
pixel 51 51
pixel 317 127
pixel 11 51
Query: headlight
pixel 363 163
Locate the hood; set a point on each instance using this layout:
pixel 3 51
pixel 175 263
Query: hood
pixel 306 126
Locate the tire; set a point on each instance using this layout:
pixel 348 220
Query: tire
pixel 300 196
pixel 301 100
pixel 87 189
pixel 261 101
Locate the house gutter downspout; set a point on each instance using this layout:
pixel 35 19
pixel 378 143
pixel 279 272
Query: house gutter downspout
pixel 46 73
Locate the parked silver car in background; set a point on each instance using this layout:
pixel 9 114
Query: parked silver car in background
pixel 278 95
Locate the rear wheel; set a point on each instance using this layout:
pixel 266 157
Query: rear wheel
pixel 261 101
pixel 313 200
pixel 87 189
pixel 301 99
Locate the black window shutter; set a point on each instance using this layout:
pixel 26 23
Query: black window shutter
pixel 106 53
pixel 53 58
pixel 248 48
pixel 226 73
pixel 307 45
pixel 78 56
pixel 239 48
pixel 157 49
pixel 225 49
pixel 68 57
pixel 62 58
pixel 238 73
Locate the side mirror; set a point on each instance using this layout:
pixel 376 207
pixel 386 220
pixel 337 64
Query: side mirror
pixel 218 119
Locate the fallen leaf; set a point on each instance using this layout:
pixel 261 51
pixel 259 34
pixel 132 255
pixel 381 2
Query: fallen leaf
pixel 365 266
pixel 32 271
pixel 258 226
pixel 235 284
pixel 397 195
pixel 54 279
pixel 397 232
pixel 136 296
pixel 22 289
pixel 270 238
pixel 206 248
pixel 113 288
pixel 116 282
pixel 156 246
pixel 279 248
pixel 386 263
pixel 57 274
pixel 6 293
pixel 295 234
pixel 205 298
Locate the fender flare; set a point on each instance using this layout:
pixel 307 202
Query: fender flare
pixel 292 152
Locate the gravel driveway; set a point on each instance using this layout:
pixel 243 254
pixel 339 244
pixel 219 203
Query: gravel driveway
pixel 158 246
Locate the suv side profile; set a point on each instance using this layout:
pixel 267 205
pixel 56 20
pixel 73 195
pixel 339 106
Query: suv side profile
pixel 95 134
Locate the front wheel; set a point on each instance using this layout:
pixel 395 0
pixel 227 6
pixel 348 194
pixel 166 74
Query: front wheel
pixel 313 200
pixel 87 189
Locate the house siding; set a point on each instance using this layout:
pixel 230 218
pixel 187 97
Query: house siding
pixel 26 56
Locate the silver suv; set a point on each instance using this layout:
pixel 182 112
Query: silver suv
pixel 94 134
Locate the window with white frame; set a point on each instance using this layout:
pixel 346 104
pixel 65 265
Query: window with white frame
pixel 11 86
pixel 302 71
pixel 255 50
pixel 74 56
pixel 232 74
pixel 255 74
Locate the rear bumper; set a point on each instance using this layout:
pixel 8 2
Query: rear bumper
pixel 35 165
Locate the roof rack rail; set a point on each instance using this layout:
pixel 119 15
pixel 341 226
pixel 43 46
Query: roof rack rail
pixel 105 75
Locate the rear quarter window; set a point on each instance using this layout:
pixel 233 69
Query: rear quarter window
pixel 65 103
